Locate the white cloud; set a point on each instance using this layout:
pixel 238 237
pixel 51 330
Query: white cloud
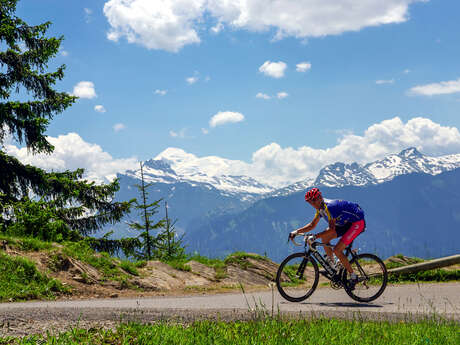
pixel 303 66
pixel 167 25
pixel 223 117
pixel 389 81
pixel 282 95
pixel 72 152
pixel 262 95
pixel 172 24
pixel 84 89
pixel 279 166
pixel 192 80
pixel 99 108
pixel 118 127
pixel 204 131
pixel 406 71
pixel 180 134
pixel 441 88
pixel 64 53
pixel 88 11
pixel 217 28
pixel 273 69
pixel 160 92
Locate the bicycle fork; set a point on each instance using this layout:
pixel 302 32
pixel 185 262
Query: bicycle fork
pixel 301 268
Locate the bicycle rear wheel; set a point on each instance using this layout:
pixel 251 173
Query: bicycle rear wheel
pixel 372 278
pixel 297 277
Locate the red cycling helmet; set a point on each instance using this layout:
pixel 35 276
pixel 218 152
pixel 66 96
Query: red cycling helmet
pixel 312 194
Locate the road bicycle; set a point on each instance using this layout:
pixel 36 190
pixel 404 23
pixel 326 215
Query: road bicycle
pixel 298 274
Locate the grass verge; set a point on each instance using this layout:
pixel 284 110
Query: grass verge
pixel 438 275
pixel 267 332
pixel 20 280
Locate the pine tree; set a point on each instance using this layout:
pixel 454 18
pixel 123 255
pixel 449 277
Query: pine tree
pixel 77 204
pixel 169 244
pixel 148 247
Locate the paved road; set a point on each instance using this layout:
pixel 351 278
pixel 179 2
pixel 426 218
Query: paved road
pixel 397 302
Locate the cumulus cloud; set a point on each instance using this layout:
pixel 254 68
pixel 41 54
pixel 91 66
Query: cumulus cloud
pixel 303 66
pixel 160 92
pixel 72 152
pixel 279 166
pixel 441 88
pixel 217 28
pixel 204 131
pixel 192 80
pixel 172 24
pixel 99 108
pixel 388 81
pixel 262 95
pixel 223 117
pixel 118 127
pixel 406 71
pixel 84 89
pixel 167 25
pixel 273 69
pixel 282 95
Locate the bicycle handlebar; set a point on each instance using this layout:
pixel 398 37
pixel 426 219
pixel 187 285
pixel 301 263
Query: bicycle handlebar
pixel 306 238
pixel 310 242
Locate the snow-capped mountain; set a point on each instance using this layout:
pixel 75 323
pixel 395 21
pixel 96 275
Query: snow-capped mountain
pixel 407 161
pixel 173 167
pixel 161 171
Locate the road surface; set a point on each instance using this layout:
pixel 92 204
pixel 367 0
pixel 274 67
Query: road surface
pixel 398 302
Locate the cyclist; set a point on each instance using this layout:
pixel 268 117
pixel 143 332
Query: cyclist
pixel 345 219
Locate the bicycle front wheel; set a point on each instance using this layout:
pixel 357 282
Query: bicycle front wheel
pixel 372 278
pixel 297 277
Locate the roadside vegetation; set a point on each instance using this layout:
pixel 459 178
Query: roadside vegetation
pixel 270 331
pixel 20 280
pixel 436 275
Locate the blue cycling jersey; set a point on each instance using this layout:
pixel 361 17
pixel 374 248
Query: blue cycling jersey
pixel 342 211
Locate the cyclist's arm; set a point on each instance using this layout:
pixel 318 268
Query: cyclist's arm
pixel 332 224
pixel 310 226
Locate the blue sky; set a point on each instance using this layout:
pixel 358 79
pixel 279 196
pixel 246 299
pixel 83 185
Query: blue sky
pixel 365 62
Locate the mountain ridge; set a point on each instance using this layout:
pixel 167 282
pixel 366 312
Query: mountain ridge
pixel 408 161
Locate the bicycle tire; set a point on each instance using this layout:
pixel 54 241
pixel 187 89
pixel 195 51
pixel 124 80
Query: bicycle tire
pixel 377 277
pixel 285 288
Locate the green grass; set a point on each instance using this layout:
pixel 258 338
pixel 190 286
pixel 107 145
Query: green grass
pixel 239 258
pixel 180 265
pixel 104 263
pixel 267 332
pixel 438 275
pixel 129 267
pixel 27 244
pixel 20 280
pixel 219 265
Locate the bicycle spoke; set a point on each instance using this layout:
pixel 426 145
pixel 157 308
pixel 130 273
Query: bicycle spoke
pixel 372 277
pixel 297 278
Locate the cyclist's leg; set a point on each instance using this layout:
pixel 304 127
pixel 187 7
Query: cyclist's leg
pixel 355 229
pixel 326 236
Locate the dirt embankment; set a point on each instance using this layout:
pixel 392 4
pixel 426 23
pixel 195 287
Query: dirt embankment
pixel 153 278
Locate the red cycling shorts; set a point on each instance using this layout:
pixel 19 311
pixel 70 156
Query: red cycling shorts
pixel 355 229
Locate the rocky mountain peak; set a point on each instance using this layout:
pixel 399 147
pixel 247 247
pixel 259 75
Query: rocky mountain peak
pixel 410 152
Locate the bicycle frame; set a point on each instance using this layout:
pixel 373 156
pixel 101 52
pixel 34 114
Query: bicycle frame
pixel 329 273
pixel 338 277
